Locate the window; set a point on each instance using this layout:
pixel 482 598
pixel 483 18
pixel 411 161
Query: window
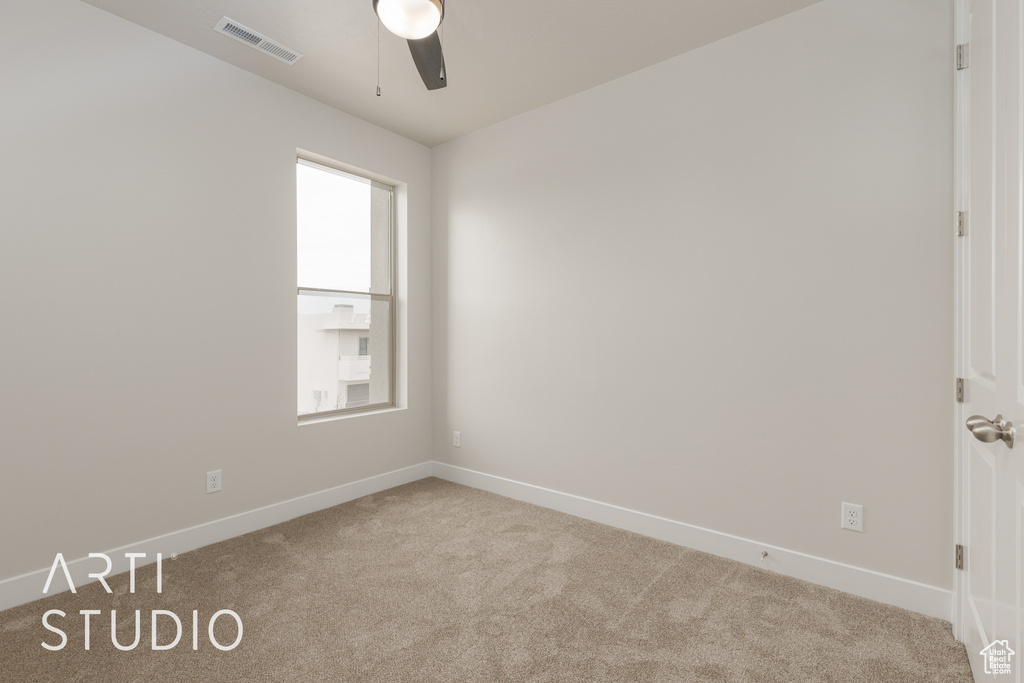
pixel 358 395
pixel 345 291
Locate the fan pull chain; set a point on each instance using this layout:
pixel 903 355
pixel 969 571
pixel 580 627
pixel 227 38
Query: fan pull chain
pixel 378 56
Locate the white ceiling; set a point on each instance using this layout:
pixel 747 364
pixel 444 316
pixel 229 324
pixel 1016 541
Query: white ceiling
pixel 502 58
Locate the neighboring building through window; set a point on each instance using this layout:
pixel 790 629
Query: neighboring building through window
pixel 345 291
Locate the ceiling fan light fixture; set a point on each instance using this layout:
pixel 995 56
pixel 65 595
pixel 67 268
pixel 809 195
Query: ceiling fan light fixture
pixel 410 19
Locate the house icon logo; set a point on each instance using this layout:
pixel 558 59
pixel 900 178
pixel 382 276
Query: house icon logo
pixel 997 658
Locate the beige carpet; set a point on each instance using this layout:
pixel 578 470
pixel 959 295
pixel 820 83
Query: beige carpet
pixel 438 582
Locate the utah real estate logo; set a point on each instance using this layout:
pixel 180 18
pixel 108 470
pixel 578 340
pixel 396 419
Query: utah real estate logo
pixel 997 658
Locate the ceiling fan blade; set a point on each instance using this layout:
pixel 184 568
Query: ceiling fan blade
pixel 426 52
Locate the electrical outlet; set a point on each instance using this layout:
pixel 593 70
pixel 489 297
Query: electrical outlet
pixel 853 517
pixel 214 481
pixel 457 439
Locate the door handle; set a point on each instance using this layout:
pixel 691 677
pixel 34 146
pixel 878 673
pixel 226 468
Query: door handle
pixel 991 430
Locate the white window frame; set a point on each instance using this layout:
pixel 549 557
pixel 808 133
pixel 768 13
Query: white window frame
pixel 390 297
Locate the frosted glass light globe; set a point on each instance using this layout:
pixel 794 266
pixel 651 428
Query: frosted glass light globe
pixel 410 19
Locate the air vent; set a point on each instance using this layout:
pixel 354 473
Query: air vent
pixel 244 34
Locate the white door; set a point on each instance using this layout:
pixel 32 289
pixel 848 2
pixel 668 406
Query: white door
pixel 991 322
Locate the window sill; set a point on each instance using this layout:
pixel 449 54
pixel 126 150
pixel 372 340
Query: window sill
pixel 303 421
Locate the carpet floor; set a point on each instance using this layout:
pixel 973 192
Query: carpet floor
pixel 433 581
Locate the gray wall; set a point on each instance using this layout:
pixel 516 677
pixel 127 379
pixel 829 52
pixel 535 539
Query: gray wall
pixel 147 285
pixel 720 290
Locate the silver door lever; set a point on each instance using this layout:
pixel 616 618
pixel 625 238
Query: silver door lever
pixel 991 430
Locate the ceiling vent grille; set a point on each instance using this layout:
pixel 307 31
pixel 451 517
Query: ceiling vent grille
pixel 244 34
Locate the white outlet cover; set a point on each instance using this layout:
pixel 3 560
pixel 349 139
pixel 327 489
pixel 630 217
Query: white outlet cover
pixel 852 517
pixel 214 481
pixel 457 439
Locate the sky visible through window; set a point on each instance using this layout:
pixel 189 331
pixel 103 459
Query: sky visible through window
pixel 333 216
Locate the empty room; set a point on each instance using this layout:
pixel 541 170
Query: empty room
pixel 469 340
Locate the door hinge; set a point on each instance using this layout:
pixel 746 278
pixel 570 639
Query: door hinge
pixel 963 56
pixel 961 223
pixel 959 556
pixel 959 390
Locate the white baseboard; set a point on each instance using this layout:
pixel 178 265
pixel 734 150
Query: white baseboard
pixel 919 597
pixel 28 587
pixel 911 595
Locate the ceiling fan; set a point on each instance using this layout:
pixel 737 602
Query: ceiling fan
pixel 417 21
